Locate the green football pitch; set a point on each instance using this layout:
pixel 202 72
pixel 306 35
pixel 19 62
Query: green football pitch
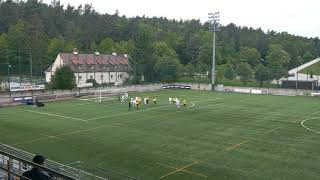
pixel 223 136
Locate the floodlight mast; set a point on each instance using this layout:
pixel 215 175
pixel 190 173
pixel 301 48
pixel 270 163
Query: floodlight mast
pixel 214 19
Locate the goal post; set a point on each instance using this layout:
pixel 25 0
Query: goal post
pixel 110 94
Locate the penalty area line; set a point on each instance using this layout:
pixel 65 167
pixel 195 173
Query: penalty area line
pixel 56 115
pixel 67 133
pixel 184 170
pixel 177 170
pixel 236 145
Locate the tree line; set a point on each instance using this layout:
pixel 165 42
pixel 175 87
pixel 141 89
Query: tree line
pixel 167 47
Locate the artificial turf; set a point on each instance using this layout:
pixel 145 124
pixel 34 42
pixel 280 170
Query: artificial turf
pixel 224 136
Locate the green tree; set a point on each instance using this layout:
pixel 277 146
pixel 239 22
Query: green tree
pixel 3 48
pixel 94 47
pixel 190 70
pixel 261 74
pixel 143 50
pixel 205 54
pixel 307 57
pixel 245 72
pixel 93 81
pixel 278 61
pixel 63 78
pixel 16 35
pixel 167 62
pixel 249 55
pixel 229 72
pixel 55 46
pixel 295 62
pixel 106 46
pixel 123 47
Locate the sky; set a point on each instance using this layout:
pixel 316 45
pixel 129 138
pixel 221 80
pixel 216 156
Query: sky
pixel 298 17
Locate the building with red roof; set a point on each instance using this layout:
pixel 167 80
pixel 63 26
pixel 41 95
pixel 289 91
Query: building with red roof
pixel 101 67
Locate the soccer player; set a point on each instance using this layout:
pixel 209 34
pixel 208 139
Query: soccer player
pixel 129 104
pixel 184 102
pixel 154 100
pixel 177 103
pixel 137 104
pixel 170 100
pixel 147 100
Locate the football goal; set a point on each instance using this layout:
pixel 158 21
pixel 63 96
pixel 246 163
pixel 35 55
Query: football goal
pixel 110 94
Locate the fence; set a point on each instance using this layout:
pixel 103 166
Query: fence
pixel 267 91
pixel 19 162
pixel 6 98
pixel 12 167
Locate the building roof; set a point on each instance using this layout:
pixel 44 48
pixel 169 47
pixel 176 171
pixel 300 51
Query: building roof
pixel 94 63
pixel 295 74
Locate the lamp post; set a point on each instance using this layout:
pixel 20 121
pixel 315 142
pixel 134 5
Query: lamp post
pixel 9 66
pixel 214 21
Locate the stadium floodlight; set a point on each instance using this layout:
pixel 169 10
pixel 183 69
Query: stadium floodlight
pixel 214 19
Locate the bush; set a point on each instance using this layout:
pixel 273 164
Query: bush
pixel 93 81
pixel 63 78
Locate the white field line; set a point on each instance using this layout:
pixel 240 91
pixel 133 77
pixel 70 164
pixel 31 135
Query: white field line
pixel 271 130
pixel 52 136
pixel 67 133
pixel 90 129
pixel 305 120
pixel 243 109
pixel 56 115
pixel 149 109
pixel 84 104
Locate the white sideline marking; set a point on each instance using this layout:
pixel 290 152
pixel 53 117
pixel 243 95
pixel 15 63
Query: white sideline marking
pixel 67 133
pixel 271 130
pixel 49 136
pixel 56 115
pixel 149 109
pixel 303 121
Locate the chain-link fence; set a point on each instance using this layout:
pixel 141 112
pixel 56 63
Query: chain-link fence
pixel 22 66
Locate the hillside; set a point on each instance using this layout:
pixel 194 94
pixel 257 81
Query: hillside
pixel 33 31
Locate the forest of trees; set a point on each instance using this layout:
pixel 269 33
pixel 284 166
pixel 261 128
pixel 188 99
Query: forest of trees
pixel 38 31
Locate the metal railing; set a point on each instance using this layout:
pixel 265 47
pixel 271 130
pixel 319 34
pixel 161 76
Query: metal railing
pixel 76 170
pixel 14 166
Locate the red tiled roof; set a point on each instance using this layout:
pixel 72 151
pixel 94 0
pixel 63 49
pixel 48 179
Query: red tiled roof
pixel 91 59
pixel 84 62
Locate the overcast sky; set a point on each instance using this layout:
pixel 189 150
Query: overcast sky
pixel 299 17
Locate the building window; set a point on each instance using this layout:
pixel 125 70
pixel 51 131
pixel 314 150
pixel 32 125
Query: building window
pixel 80 67
pixel 104 67
pixel 91 77
pixel 101 77
pixel 111 76
pixel 80 77
pixel 120 76
pixel 92 67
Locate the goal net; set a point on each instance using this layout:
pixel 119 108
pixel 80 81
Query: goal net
pixel 110 94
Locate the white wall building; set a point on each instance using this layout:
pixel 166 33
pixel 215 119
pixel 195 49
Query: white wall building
pixel 101 67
